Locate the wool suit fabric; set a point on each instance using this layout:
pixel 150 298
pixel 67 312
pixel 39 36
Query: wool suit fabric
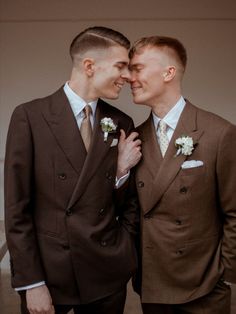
pixel 188 216
pixel 65 222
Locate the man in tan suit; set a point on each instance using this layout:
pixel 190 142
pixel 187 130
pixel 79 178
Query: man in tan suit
pixel 186 183
pixel 70 236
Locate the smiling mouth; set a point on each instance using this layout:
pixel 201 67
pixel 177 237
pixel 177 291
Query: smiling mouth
pixel 119 85
pixel 134 89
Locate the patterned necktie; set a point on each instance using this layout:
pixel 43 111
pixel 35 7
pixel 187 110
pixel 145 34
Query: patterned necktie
pixel 163 139
pixel 86 128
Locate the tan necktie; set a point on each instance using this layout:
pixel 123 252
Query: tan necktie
pixel 163 138
pixel 86 128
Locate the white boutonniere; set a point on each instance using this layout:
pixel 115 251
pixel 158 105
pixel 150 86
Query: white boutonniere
pixel 108 126
pixel 184 145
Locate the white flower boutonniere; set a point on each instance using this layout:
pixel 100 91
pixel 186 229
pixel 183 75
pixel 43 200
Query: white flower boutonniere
pixel 108 126
pixel 184 145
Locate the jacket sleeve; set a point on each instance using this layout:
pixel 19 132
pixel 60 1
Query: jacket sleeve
pixel 19 187
pixel 226 176
pixel 126 199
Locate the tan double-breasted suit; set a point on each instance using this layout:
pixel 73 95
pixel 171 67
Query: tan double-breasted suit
pixel 188 228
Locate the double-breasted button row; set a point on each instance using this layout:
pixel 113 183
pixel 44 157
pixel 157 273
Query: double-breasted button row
pixel 69 212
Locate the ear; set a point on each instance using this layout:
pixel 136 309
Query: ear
pixel 88 65
pixel 169 73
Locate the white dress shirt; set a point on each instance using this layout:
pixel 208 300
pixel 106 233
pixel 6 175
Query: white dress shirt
pixel 78 104
pixel 171 118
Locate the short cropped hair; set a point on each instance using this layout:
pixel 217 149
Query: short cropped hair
pixel 97 37
pixel 161 42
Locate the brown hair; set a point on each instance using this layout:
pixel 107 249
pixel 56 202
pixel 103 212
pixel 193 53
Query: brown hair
pixel 161 41
pixel 97 37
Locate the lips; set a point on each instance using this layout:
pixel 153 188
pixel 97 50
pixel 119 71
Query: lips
pixel 119 85
pixel 135 88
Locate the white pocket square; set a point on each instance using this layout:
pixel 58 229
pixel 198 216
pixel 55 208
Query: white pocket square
pixel 114 142
pixel 191 164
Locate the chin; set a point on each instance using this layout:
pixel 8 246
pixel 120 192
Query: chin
pixel 112 96
pixel 138 100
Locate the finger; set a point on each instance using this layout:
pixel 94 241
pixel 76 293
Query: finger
pixel 52 310
pixel 132 136
pixel 122 135
pixel 137 142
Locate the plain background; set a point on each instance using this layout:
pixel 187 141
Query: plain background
pixel 35 36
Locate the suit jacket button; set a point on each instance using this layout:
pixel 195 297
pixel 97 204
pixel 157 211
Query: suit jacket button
pixel 108 176
pixel 183 190
pixel 68 212
pixel 178 222
pixel 66 247
pixel 179 252
pixel 102 211
pixel 62 176
pixel 103 243
pixel 140 184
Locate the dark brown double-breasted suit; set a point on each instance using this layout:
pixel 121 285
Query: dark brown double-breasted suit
pixel 64 222
pixel 188 229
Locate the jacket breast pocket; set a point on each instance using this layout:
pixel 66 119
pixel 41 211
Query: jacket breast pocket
pixel 193 171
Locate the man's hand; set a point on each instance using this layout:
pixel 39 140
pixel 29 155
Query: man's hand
pixel 39 301
pixel 129 152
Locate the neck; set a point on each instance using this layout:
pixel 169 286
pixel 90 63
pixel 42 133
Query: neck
pixel 163 106
pixel 80 85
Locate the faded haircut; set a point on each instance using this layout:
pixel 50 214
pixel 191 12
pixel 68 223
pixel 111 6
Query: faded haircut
pixel 167 43
pixel 97 37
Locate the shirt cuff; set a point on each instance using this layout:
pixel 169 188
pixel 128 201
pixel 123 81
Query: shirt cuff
pixel 227 283
pixel 122 180
pixel 35 285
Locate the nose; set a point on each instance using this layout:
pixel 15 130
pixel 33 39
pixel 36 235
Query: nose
pixel 132 77
pixel 126 75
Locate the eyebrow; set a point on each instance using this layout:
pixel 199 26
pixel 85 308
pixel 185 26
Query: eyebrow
pixel 122 62
pixel 135 65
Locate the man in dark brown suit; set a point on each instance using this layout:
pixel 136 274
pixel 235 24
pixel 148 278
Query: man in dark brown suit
pixel 186 184
pixel 70 237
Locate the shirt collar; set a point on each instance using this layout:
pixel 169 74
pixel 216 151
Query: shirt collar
pixel 76 102
pixel 172 117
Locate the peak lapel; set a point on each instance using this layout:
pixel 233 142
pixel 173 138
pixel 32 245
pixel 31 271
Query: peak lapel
pixel 150 162
pixel 97 152
pixel 63 125
pixel 171 165
pixel 151 158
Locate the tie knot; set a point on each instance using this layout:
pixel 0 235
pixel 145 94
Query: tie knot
pixel 162 126
pixel 87 111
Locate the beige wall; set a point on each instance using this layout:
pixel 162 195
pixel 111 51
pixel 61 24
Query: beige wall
pixel 35 35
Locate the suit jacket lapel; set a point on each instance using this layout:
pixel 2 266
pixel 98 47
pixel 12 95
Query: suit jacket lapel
pixel 63 125
pixel 151 159
pixel 171 165
pixel 150 163
pixel 97 152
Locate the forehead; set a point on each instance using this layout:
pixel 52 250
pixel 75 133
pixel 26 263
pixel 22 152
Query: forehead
pixel 148 55
pixel 116 54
